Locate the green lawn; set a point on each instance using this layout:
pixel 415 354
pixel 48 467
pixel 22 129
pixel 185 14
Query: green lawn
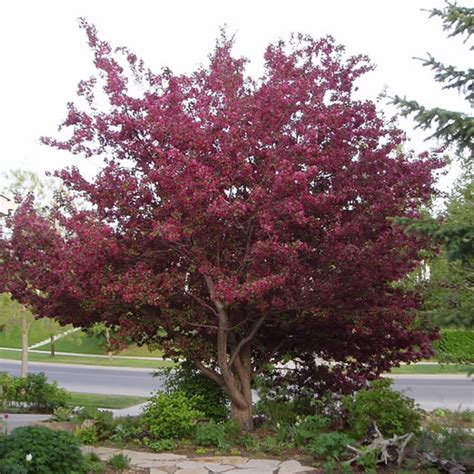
pixel 81 343
pixel 433 369
pixel 97 400
pixel 13 338
pixel 34 357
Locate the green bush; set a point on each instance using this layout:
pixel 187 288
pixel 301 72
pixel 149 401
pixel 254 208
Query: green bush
pixel 171 415
pixel 393 413
pixel 455 346
pixel 32 393
pixel 211 399
pixel 41 451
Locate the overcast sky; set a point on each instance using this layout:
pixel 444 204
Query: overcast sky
pixel 44 54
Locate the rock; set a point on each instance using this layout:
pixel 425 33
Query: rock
pixel 193 471
pixel 217 468
pixel 221 460
pixel 57 425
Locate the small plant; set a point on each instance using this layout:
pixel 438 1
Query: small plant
pixel 88 435
pixel 449 444
pixel 309 428
pixel 329 446
pixel 393 413
pixel 119 462
pixel 211 434
pixel 160 445
pixel 126 429
pixel 249 443
pixel 41 450
pixel 92 464
pixel 103 421
pixel 171 415
pixel 201 451
pixel 62 414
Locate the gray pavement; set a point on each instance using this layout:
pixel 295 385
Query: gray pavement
pixel 92 379
pixel 454 392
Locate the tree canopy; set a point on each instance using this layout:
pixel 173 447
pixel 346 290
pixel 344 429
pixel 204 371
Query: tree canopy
pixel 236 222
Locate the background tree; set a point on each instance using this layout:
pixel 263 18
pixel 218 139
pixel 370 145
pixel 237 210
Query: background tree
pixel 236 221
pixel 451 127
pixel 448 292
pixel 15 315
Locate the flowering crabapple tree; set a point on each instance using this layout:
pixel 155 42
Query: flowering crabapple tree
pixel 236 222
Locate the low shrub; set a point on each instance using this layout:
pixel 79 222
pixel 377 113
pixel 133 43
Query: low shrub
pixel 40 450
pixel 33 393
pixel 393 413
pixel 171 415
pixel 210 399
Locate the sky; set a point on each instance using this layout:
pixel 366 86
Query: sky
pixel 45 55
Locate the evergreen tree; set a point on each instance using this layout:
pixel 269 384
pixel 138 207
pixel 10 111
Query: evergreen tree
pixel 451 127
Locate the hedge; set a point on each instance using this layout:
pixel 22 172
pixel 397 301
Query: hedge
pixel 456 346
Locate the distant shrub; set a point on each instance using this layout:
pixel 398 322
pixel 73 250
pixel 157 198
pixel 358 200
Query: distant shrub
pixel 40 450
pixel 33 393
pixel 456 346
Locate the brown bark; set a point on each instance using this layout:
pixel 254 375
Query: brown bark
pixel 234 362
pixel 52 346
pixel 24 346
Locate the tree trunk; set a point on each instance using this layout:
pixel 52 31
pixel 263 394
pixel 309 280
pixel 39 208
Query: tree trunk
pixel 52 345
pixel 242 416
pixel 24 346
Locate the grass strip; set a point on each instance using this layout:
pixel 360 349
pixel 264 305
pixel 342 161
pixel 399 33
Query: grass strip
pixel 98 400
pixel 433 369
pixel 59 359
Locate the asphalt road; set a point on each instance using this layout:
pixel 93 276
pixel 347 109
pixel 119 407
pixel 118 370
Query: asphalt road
pixel 92 379
pixel 430 391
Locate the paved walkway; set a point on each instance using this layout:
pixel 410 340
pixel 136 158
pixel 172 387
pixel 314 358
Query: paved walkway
pixel 164 463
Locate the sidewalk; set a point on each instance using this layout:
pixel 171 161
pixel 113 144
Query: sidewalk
pixel 76 354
